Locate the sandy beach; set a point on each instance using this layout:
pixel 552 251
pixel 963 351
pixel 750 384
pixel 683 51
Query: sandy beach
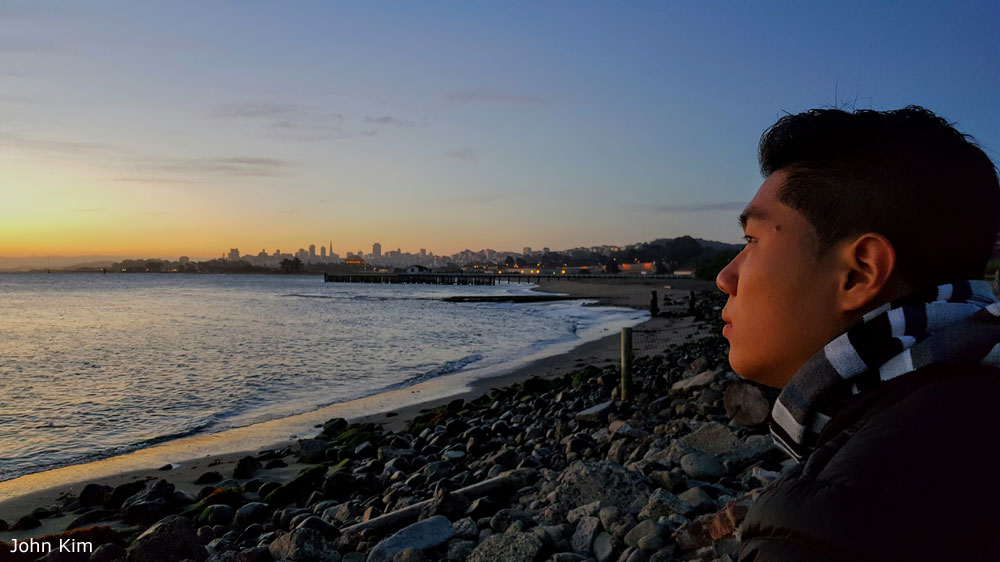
pixel 191 457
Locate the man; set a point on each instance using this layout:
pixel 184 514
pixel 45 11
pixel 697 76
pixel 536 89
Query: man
pixel 859 293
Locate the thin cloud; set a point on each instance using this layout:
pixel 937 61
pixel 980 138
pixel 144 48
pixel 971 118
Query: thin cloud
pixel 704 208
pixel 477 199
pixel 20 46
pixel 389 121
pixel 139 179
pixel 290 121
pixel 494 96
pixel 240 166
pixel 52 145
pixel 467 154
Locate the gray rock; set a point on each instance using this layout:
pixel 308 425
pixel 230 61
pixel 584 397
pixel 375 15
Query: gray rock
pixel 698 499
pixel 246 467
pixel 318 524
pixel 410 555
pixel 643 529
pixel 353 557
pixel 605 547
pixel 509 547
pixel 253 512
pixel 663 503
pixel 425 534
pixel 466 528
pixel 745 404
pixel 150 503
pixel 567 557
pixel 713 438
pixel 700 466
pixel 588 510
pixel 460 549
pixel 698 381
pixel 505 517
pixel 305 545
pixel 170 539
pixel 585 482
pixel 218 514
pixel 107 553
pixel 615 521
pixel 596 414
pixel 586 531
pixel 651 543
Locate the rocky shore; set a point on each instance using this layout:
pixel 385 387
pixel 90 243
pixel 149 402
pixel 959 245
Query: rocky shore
pixel 550 469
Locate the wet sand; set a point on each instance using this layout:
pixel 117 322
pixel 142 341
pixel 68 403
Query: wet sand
pixel 195 455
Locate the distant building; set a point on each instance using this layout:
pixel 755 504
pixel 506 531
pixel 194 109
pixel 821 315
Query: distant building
pixel 184 260
pixel 417 269
pixel 545 250
pixel 234 254
pixel 641 268
pixel 354 260
pixel 423 252
pixel 302 254
pixel 322 252
pixel 312 250
pixel 527 250
pixel 376 250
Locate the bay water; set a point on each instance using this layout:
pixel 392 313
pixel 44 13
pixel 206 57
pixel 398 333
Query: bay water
pixel 95 365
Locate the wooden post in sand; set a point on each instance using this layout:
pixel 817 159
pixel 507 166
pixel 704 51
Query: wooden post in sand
pixel 626 387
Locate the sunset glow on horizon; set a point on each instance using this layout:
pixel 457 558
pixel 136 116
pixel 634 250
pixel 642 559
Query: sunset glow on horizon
pixel 169 129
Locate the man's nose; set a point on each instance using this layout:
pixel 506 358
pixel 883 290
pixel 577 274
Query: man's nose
pixel 728 277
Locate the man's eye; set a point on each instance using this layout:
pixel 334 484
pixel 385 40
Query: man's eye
pixel 749 239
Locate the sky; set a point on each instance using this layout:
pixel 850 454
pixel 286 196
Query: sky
pixel 160 129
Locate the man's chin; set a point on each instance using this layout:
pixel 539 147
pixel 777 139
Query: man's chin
pixel 752 371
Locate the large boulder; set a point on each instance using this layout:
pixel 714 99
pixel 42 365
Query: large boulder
pixel 298 488
pixel 509 547
pixel 745 404
pixel 171 539
pixel 421 535
pixel 585 482
pixel 303 544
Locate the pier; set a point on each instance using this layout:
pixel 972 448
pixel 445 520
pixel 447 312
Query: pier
pixel 468 278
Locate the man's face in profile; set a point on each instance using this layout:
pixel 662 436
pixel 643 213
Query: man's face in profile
pixel 781 308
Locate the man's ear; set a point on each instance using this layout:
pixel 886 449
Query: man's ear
pixel 868 263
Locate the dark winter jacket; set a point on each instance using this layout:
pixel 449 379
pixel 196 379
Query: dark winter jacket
pixel 908 471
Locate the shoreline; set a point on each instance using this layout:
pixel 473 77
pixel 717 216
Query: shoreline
pixel 194 455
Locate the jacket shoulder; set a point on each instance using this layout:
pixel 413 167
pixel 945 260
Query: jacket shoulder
pixel 917 461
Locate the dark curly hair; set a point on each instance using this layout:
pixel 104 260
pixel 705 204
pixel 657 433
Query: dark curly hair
pixel 906 174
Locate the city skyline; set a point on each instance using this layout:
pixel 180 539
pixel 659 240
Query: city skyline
pixel 177 128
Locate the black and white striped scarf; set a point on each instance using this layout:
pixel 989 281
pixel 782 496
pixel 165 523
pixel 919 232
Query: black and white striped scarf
pixel 956 324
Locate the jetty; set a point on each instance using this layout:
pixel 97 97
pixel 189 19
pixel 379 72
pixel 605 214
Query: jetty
pixel 469 278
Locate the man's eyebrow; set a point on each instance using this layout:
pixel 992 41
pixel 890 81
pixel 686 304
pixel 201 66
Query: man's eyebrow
pixel 752 212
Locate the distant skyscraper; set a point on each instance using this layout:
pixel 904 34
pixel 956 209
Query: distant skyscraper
pixel 234 254
pixel 527 250
pixel 312 250
pixel 376 250
pixel 322 252
pixel 545 250
pixel 423 252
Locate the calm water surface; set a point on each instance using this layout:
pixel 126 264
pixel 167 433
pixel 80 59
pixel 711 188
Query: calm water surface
pixel 96 365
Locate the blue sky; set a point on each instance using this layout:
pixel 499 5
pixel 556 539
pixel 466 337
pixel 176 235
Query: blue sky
pixel 169 128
